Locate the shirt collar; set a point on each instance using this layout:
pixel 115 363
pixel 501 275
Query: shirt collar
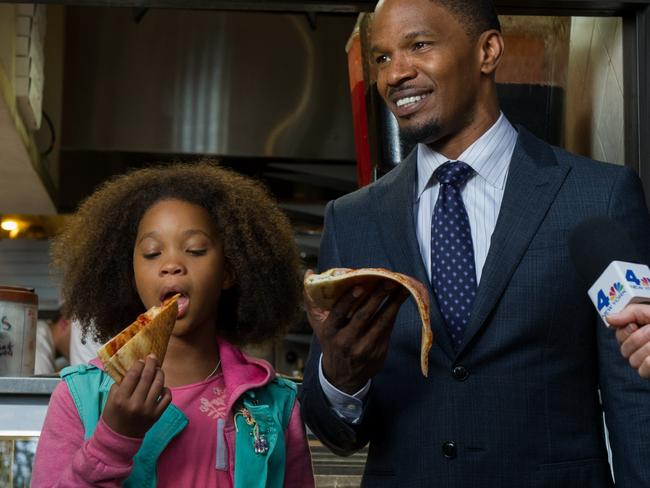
pixel 489 156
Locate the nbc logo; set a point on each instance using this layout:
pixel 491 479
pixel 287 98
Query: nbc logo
pixel 604 300
pixel 637 283
pixel 615 290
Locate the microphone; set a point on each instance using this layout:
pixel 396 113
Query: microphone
pixel 605 256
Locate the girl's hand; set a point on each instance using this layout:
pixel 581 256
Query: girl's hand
pixel 134 406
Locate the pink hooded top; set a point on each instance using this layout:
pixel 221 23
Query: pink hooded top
pixel 64 459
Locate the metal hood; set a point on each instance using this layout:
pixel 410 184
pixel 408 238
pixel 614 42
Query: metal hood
pixel 224 83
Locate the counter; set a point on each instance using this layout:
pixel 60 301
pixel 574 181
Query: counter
pixel 23 404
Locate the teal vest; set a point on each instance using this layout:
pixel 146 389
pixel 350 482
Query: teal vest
pixel 270 407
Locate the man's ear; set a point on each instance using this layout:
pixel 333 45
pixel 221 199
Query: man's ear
pixel 491 50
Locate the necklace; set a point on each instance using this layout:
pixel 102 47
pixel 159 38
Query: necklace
pixel 214 370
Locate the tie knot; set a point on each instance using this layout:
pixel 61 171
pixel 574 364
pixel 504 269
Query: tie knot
pixel 454 173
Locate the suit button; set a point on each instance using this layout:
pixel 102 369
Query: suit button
pixel 460 373
pixel 449 449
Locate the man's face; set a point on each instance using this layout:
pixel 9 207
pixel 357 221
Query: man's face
pixel 428 68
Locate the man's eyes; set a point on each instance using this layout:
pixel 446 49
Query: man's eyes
pixel 416 46
pixel 381 59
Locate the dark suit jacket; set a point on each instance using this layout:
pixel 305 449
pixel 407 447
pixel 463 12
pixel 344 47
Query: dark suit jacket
pixel 518 405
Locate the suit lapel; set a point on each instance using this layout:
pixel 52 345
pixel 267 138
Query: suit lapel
pixel 396 222
pixel 534 179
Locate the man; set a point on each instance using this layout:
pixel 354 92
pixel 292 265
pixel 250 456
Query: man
pixel 52 344
pixel 480 212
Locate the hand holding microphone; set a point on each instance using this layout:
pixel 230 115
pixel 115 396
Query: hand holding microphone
pixel 633 334
pixel 605 256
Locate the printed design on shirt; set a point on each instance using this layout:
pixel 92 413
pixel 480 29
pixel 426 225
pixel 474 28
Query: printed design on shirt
pixel 215 407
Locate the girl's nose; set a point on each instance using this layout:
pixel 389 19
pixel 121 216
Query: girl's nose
pixel 172 268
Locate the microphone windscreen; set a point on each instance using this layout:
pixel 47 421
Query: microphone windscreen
pixel 595 243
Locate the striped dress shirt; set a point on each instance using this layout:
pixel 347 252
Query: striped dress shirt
pixel 490 157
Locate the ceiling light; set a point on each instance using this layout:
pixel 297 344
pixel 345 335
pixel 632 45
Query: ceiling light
pixel 9 225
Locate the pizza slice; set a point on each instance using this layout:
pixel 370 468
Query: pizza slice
pixel 149 333
pixel 326 288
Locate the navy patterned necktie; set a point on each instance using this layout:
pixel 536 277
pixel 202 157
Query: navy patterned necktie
pixel 453 272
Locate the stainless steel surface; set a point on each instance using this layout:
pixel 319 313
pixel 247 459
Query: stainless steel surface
pixel 23 405
pixel 12 385
pixel 22 416
pixel 26 262
pixel 313 209
pixel 229 83
pixel 337 172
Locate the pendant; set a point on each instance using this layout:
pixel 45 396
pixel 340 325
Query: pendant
pixel 260 442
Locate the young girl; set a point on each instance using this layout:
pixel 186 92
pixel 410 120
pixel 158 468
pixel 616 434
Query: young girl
pixel 209 415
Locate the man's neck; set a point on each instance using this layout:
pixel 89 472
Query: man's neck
pixel 455 144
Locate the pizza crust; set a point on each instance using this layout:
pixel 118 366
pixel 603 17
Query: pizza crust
pixel 326 288
pixel 148 334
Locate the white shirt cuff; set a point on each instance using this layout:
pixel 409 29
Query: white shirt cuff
pixel 348 407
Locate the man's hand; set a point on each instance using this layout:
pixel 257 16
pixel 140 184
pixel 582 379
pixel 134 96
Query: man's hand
pixel 134 405
pixel 355 334
pixel 633 334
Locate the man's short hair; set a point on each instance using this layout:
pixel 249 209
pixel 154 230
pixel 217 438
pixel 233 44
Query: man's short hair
pixel 477 16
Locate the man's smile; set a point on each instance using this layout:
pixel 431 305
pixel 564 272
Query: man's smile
pixel 407 104
pixel 409 100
